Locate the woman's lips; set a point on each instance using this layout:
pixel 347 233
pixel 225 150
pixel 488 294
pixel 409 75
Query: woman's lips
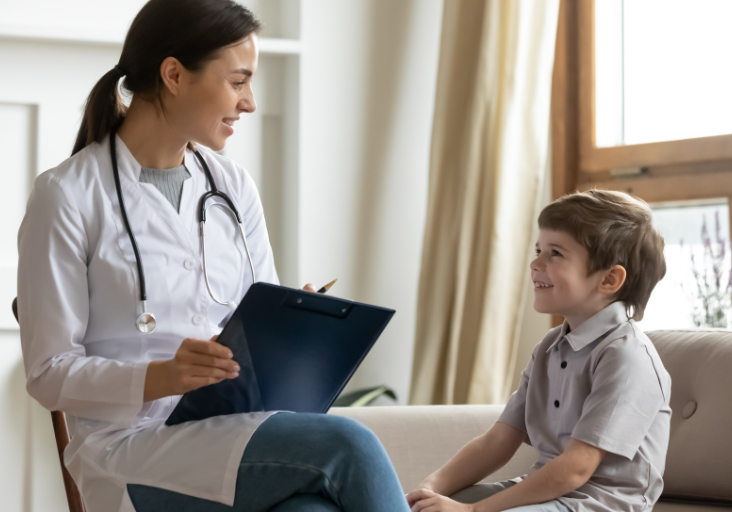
pixel 228 126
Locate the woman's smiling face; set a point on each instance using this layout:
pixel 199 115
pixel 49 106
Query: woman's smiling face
pixel 212 99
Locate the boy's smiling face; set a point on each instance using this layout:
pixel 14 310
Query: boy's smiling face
pixel 561 284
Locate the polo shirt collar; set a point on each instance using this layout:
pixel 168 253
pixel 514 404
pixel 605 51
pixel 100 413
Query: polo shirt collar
pixel 594 327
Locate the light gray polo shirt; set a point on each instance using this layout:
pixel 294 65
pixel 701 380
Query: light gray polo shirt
pixel 604 384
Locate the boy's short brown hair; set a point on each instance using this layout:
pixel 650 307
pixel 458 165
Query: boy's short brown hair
pixel 616 229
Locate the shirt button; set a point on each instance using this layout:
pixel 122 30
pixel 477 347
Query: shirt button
pixel 189 264
pixel 198 319
pixel 556 403
pixel 564 364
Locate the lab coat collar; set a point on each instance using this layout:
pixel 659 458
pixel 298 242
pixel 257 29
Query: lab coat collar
pixel 183 226
pixel 130 167
pixel 594 327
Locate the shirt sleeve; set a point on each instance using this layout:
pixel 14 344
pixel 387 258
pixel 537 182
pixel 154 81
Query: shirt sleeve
pixel 53 310
pixel 624 400
pixel 514 413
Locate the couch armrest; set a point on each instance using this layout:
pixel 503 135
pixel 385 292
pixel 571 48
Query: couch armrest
pixel 420 439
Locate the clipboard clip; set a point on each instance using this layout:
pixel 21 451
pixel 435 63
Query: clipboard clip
pixel 320 304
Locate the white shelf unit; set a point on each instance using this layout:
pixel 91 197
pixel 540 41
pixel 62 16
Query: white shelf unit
pixel 266 143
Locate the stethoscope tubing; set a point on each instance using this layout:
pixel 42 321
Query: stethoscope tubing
pixel 146 322
pixel 123 208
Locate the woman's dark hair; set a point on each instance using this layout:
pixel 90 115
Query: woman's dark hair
pixel 192 31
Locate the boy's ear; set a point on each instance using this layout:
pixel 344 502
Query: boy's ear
pixel 613 280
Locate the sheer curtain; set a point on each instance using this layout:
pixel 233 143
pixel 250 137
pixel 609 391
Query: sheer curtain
pixel 489 152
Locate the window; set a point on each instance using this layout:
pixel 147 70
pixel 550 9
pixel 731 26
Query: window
pixel 696 291
pixel 642 103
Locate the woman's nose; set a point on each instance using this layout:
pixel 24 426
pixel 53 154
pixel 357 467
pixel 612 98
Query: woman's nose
pixel 248 104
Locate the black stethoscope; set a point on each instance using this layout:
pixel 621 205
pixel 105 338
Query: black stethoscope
pixel 146 321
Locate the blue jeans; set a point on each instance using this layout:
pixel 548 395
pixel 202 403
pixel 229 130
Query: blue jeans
pixel 299 463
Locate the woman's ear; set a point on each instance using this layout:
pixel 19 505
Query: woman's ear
pixel 613 280
pixel 171 71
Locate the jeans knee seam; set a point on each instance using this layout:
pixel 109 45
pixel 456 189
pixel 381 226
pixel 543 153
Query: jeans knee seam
pixel 301 466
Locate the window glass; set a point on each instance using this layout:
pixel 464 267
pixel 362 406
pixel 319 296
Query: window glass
pixel 662 70
pixel 696 291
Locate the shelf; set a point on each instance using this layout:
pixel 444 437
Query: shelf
pixel 267 46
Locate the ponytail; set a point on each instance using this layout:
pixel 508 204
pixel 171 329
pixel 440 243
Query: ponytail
pixel 103 111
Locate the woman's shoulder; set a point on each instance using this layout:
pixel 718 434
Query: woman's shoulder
pixel 82 166
pixel 74 175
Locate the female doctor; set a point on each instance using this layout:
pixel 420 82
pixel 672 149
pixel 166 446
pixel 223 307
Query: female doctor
pixel 120 300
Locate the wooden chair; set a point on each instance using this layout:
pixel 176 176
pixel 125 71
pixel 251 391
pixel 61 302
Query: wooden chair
pixel 61 432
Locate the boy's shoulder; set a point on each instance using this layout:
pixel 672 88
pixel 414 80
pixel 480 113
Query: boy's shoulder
pixel 628 348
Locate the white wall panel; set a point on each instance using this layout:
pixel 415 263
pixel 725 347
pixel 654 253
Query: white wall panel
pixel 368 75
pixel 106 20
pixel 18 135
pixel 14 438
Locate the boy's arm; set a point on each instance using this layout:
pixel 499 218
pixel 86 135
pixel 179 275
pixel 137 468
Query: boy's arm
pixel 476 460
pixel 561 475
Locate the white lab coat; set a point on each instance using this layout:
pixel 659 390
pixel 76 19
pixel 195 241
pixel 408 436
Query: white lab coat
pixel 78 297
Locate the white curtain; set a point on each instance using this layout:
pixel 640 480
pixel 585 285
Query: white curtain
pixel 489 152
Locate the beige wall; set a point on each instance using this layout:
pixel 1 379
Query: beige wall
pixel 368 84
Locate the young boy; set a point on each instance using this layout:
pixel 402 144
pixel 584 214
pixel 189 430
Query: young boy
pixel 594 398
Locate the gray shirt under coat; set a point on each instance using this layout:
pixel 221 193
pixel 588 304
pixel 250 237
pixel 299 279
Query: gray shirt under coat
pixel 168 181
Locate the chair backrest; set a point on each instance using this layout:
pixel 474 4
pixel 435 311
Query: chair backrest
pixel 61 432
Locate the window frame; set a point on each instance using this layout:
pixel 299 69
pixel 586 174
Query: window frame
pixel 677 170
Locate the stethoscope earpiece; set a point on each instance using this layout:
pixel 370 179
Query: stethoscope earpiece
pixel 231 305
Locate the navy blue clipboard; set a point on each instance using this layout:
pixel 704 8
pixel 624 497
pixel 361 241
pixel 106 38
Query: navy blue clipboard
pixel 297 350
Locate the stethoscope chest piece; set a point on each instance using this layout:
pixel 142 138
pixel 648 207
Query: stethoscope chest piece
pixel 146 322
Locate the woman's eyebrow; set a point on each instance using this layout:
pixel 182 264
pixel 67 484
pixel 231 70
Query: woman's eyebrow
pixel 243 71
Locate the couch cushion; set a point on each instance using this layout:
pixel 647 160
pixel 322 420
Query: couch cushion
pixel 699 462
pixel 420 439
pixel 663 506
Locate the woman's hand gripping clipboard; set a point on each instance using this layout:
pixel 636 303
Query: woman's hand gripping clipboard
pixel 296 349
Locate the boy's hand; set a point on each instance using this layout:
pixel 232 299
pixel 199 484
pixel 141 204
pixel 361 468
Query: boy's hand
pixel 425 500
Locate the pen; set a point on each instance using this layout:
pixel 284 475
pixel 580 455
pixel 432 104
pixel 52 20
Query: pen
pixel 327 286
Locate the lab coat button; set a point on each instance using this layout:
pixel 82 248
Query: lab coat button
pixel 198 319
pixel 190 264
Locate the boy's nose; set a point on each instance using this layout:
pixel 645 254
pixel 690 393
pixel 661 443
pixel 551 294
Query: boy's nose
pixel 536 265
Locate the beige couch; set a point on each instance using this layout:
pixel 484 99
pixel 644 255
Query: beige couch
pixel 698 476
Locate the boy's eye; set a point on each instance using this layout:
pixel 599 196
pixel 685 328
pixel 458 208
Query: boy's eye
pixel 555 253
pixel 538 251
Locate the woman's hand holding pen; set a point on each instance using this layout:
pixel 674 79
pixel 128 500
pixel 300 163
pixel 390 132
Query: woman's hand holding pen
pixel 197 363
